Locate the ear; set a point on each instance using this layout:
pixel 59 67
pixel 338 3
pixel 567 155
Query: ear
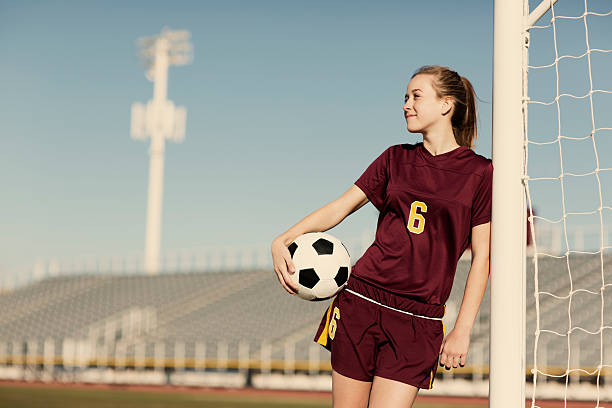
pixel 446 105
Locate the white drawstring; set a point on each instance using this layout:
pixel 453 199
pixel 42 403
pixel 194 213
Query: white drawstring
pixel 389 307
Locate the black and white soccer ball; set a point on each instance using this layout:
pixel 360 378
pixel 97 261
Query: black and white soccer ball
pixel 322 265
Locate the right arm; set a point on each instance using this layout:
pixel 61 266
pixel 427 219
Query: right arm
pixel 323 219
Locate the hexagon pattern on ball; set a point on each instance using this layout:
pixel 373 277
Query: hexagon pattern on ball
pixel 322 265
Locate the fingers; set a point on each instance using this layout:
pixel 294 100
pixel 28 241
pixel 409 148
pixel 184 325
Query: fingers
pixel 289 270
pixel 282 262
pixel 448 360
pixel 290 266
pixel 285 279
pixel 288 279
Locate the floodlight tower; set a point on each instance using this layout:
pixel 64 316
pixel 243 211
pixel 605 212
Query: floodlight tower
pixel 159 119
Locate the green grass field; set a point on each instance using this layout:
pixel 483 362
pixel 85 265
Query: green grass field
pixel 47 397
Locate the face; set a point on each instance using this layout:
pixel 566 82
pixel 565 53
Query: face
pixel 422 107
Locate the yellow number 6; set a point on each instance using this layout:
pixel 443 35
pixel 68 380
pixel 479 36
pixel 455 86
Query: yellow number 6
pixel 414 216
pixel 333 323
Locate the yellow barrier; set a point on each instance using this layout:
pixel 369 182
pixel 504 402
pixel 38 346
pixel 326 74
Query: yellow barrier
pixel 236 364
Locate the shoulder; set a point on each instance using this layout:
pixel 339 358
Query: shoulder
pixel 406 146
pixel 401 148
pixel 399 153
pixel 478 164
pixel 395 151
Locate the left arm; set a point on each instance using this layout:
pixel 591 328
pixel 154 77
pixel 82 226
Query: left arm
pixel 455 346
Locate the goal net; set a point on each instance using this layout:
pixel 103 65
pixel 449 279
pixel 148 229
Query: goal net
pixel 567 113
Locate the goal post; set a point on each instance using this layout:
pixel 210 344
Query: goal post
pixel 508 232
pixel 564 328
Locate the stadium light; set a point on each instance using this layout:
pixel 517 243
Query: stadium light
pixel 159 120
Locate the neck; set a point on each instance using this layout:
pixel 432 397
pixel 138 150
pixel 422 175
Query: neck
pixel 439 142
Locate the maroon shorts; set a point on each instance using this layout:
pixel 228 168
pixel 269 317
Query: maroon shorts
pixel 367 339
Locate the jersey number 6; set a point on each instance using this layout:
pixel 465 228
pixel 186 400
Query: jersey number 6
pixel 416 217
pixel 333 324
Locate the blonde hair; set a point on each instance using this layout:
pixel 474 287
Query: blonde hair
pixel 447 82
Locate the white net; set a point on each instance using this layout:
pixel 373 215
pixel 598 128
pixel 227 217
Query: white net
pixel 568 175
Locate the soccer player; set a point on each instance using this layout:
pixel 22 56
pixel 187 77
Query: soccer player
pixel 384 328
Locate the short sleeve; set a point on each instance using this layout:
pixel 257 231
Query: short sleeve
pixel 373 181
pixel 481 206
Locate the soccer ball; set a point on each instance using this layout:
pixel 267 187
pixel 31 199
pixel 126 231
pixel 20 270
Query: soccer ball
pixel 322 265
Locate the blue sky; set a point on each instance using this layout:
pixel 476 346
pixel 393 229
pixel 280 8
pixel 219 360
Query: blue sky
pixel 287 104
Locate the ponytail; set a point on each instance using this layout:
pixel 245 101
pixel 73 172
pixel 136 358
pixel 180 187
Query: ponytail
pixel 447 82
pixel 465 133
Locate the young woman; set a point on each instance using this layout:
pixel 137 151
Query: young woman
pixel 384 329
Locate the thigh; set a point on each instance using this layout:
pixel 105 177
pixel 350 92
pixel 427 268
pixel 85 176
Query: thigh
pixel 387 393
pixel 348 392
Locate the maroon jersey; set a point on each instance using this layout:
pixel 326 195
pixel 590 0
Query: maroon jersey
pixel 428 206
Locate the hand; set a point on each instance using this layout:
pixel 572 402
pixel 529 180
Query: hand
pixel 454 349
pixel 283 265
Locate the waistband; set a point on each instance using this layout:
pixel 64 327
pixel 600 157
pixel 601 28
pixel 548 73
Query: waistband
pixel 386 298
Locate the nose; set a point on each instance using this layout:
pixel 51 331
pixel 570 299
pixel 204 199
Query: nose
pixel 407 105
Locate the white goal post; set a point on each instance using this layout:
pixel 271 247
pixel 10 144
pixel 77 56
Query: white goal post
pixel 513 188
pixel 508 230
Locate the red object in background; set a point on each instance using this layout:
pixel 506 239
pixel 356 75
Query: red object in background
pixel 529 237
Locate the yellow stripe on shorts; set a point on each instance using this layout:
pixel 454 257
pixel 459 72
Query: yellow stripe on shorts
pixel 431 377
pixel 322 340
pixel 443 327
pixel 444 334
